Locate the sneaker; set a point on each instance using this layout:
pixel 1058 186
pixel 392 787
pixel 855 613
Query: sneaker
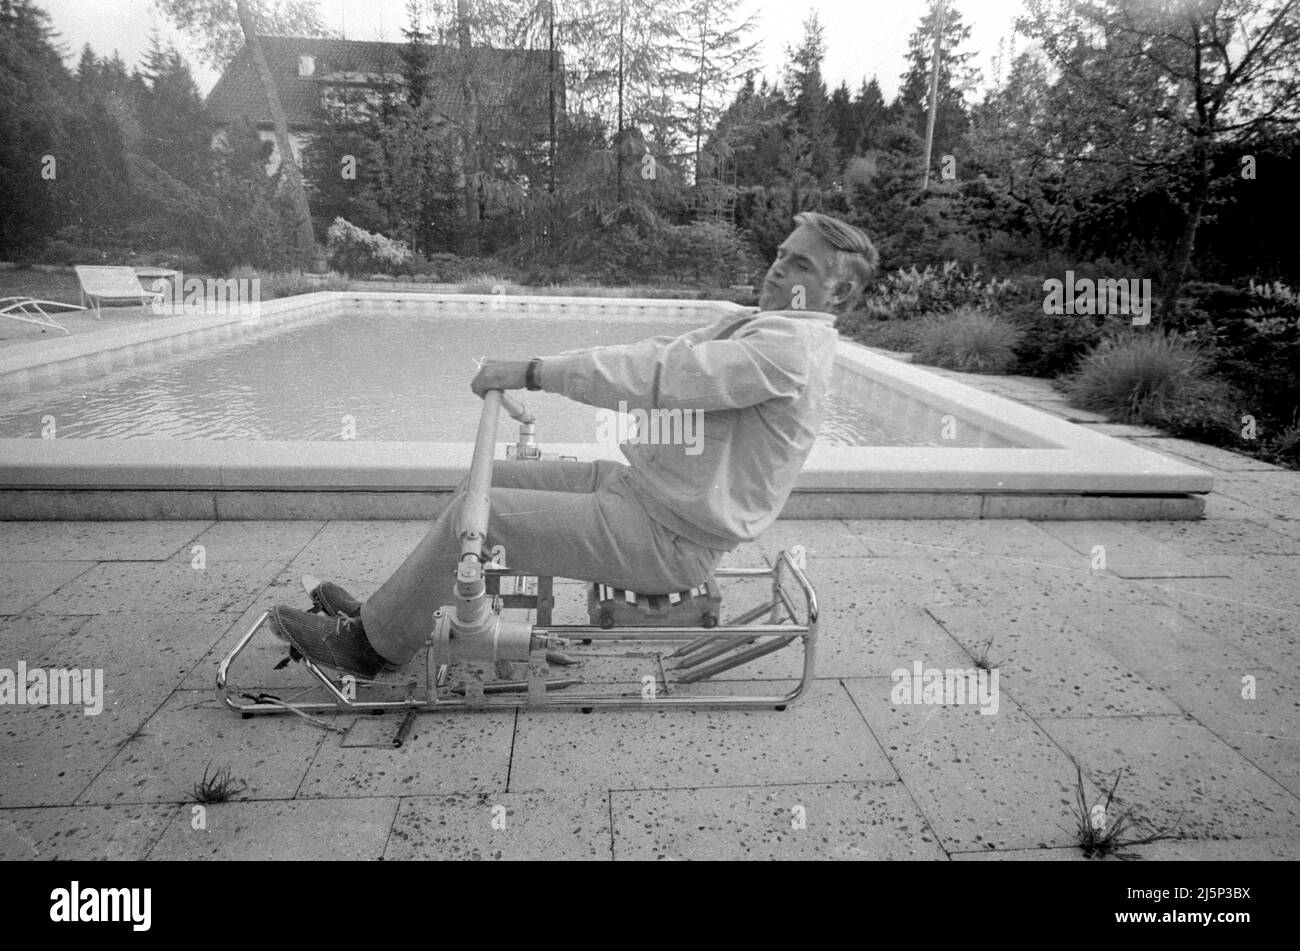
pixel 339 643
pixel 329 599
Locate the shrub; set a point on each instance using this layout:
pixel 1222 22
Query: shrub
pixel 540 276
pixel 898 335
pixel 1285 449
pixel 706 251
pixel 912 293
pixel 1141 379
pixel 356 251
pixel 275 284
pixel 57 251
pixel 1205 411
pixel 1252 340
pixel 446 267
pixel 968 339
pixel 635 245
pixel 1051 344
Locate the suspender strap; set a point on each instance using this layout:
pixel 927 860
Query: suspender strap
pixel 734 327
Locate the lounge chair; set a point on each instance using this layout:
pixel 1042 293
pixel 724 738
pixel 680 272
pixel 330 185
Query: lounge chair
pixel 119 283
pixel 28 310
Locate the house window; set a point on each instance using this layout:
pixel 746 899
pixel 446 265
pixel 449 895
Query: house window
pixel 306 65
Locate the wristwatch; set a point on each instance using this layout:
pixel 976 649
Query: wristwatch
pixel 533 376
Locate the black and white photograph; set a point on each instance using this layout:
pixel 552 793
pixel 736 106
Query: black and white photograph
pixel 652 431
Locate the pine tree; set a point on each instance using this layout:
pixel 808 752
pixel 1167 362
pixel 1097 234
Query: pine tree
pixel 810 113
pixel 220 28
pixel 871 116
pixel 956 78
pixel 34 89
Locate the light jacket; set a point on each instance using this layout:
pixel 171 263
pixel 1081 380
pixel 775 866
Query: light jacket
pixel 761 393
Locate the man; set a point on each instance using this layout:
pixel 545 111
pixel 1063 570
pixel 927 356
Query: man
pixel 662 522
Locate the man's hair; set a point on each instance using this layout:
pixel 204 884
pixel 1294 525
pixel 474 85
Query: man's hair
pixel 856 258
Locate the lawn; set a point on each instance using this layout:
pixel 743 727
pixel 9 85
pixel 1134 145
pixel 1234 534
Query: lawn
pixel 46 285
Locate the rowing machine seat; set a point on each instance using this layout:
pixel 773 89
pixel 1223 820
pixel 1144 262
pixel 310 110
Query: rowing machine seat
pixel 611 607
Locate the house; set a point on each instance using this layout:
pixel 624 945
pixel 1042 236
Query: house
pixel 312 73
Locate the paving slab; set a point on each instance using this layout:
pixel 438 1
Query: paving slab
pixel 51 753
pixel 822 738
pixel 191 735
pixel 1071 590
pixel 1287 479
pixel 1288 527
pixel 803 822
pixel 166 587
pixel 24 637
pixel 1246 849
pixel 276 830
pixel 139 652
pixel 364 550
pixel 856 641
pixel 1015 539
pixel 1279 497
pixel 983 781
pixel 1235 614
pixel 1159 640
pixel 1084 648
pixel 880 582
pixel 1049 666
pixel 1254 709
pixel 1273 580
pixel 82 833
pixel 1059 854
pixel 238 541
pixel 502 827
pixel 24 584
pixel 1212 455
pixel 821 538
pixel 1125 551
pixel 95 541
pixel 1066 411
pixel 1175 770
pixel 1176 850
pixel 114 505
pixel 1220 506
pixel 1278 757
pixel 1183 569
pixel 1216 537
pixel 443 754
pixel 1122 429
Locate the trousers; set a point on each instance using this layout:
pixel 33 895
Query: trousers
pixel 576 520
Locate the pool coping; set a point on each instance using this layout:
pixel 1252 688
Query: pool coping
pixel 1070 468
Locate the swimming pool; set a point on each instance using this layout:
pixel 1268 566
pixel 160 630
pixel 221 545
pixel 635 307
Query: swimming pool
pixel 348 404
pixel 390 378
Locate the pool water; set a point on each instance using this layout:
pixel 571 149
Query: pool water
pixel 391 377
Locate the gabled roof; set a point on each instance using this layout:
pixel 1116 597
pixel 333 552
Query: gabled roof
pixel 500 76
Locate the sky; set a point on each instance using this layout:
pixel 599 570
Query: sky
pixel 863 37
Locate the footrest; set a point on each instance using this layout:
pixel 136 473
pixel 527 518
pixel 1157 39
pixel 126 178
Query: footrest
pixel 610 607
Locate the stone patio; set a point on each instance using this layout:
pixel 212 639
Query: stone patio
pixel 1137 666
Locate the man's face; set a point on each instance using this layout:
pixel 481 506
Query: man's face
pixel 802 261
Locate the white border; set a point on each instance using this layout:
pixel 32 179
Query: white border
pixel 1067 459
